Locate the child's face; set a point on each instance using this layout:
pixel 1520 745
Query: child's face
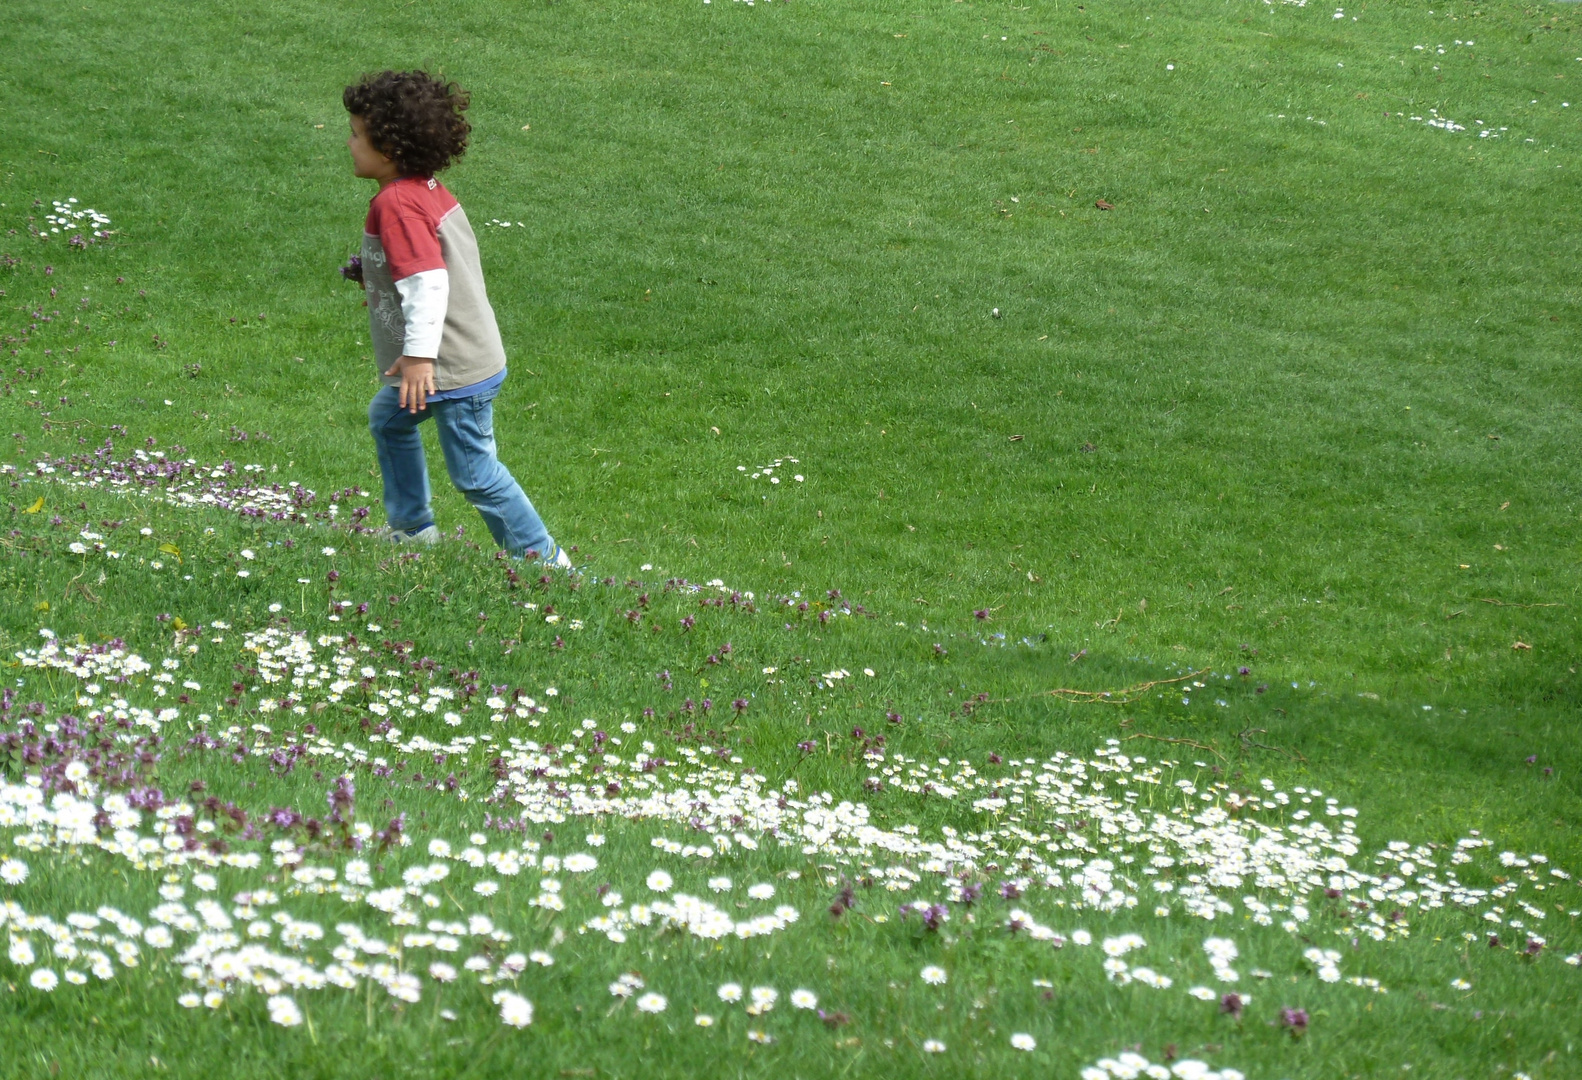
pixel 367 160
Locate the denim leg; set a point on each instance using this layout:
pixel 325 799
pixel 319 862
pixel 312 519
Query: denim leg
pixel 466 435
pixel 401 460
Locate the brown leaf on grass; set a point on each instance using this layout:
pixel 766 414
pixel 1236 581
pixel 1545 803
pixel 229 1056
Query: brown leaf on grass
pixel 1104 205
pixel 1521 645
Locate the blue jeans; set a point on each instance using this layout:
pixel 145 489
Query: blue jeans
pixel 466 436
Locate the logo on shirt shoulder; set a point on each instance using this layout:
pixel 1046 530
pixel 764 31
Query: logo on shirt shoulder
pixel 432 183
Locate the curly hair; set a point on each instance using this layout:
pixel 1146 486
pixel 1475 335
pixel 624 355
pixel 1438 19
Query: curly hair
pixel 413 118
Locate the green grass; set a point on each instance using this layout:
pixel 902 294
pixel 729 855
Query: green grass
pixel 1304 401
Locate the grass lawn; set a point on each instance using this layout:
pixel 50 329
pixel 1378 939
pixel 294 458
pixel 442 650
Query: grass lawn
pixel 1212 365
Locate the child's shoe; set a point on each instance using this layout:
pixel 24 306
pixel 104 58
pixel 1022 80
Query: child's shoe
pixel 562 560
pixel 428 534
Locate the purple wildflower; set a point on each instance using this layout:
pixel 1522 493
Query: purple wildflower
pixel 1295 1020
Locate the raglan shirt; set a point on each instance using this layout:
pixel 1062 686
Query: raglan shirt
pixel 425 288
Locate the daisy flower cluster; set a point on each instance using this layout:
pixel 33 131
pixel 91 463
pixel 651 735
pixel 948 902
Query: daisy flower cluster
pixel 1091 849
pixel 771 471
pixel 82 942
pixel 184 482
pixel 1120 972
pixel 762 999
pixel 1326 962
pixel 1434 120
pixel 244 944
pixel 686 913
pixel 1133 1066
pixel 68 219
pixel 1061 839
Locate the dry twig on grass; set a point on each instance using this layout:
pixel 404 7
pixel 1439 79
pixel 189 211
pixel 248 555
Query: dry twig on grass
pixel 1181 742
pixel 1125 696
pixel 1247 744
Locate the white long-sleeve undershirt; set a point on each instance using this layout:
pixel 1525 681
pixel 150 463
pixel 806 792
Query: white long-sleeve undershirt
pixel 424 298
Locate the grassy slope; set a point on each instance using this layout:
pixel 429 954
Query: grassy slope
pixel 1289 345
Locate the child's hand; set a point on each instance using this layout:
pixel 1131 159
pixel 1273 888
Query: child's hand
pixel 417 381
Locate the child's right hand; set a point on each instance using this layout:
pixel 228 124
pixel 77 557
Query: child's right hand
pixel 417 381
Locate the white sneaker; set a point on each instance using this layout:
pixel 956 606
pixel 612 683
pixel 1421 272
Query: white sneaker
pixel 428 535
pixel 562 560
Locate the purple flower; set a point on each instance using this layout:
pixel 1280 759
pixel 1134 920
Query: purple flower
pixel 1231 1005
pixel 740 705
pixel 1010 891
pixel 391 834
pixel 353 270
pixel 982 613
pixel 282 817
pixel 807 746
pixel 341 799
pixel 1295 1020
pixel 1534 947
pixel 844 902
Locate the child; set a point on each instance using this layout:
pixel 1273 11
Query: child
pixel 434 334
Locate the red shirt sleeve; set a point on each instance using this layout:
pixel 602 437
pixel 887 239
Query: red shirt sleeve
pixel 407 225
